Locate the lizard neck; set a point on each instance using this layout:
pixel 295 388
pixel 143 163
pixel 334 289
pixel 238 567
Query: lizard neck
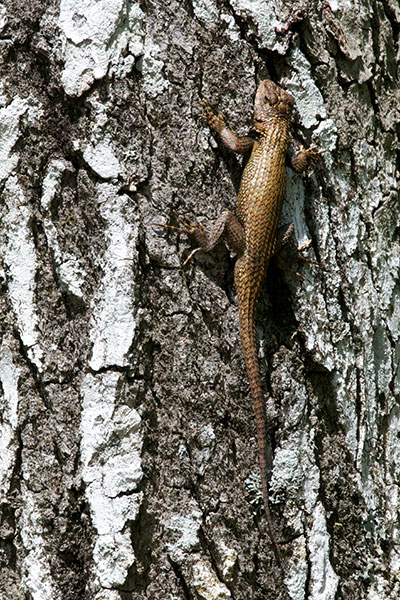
pixel 273 123
pixel 274 135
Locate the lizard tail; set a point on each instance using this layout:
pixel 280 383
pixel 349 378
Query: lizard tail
pixel 246 306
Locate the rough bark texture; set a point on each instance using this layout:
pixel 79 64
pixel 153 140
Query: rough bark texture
pixel 128 459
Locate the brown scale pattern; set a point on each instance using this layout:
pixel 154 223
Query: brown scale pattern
pixel 258 209
pixel 251 233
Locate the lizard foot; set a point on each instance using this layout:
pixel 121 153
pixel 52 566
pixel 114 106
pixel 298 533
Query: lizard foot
pixel 314 156
pixel 307 159
pixel 186 226
pixel 195 230
pixel 216 123
pixel 286 251
pixel 302 249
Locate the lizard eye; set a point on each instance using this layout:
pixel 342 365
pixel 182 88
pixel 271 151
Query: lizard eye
pixel 271 97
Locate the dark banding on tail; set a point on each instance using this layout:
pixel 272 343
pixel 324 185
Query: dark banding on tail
pixel 247 298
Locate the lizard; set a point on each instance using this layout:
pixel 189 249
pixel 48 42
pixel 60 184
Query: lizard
pixel 252 232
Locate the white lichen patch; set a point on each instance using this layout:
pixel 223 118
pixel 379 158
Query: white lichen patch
pixel 323 581
pixel 152 69
pixel 309 100
pixel 184 533
pixel 51 187
pixel 228 558
pixel 111 469
pixel 183 545
pixel 20 261
pixel 36 574
pixel 383 589
pixel 105 37
pixel 9 133
pixel 99 37
pixel 19 249
pixel 361 46
pixel 71 275
pixel 113 323
pixel 9 376
pixel 296 474
pixel 264 16
pixel 207 12
pixel 3 16
pixel 212 16
pixel 392 518
pixel 370 295
pixel 111 437
pixel 99 150
pixel 69 269
pixel 101 158
pixel 206 443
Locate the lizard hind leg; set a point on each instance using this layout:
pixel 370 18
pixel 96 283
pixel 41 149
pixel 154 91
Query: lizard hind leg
pixel 287 253
pixel 305 259
pixel 225 228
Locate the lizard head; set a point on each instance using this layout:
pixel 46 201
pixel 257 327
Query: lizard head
pixel 271 101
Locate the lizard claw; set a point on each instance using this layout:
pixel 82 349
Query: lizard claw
pixel 312 156
pixel 193 252
pixel 305 161
pixel 216 123
pixel 186 226
pixel 310 261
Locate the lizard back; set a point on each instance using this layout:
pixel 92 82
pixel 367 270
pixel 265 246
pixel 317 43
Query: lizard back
pixel 262 189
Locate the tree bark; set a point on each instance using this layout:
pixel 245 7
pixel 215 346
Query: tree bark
pixel 128 458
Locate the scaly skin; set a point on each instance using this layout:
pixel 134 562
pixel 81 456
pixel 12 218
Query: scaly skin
pixel 252 232
pixel 258 208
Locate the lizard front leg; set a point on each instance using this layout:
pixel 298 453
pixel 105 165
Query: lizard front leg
pixel 225 228
pixel 233 142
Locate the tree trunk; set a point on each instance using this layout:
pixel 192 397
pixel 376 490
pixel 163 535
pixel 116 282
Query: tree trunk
pixel 128 454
